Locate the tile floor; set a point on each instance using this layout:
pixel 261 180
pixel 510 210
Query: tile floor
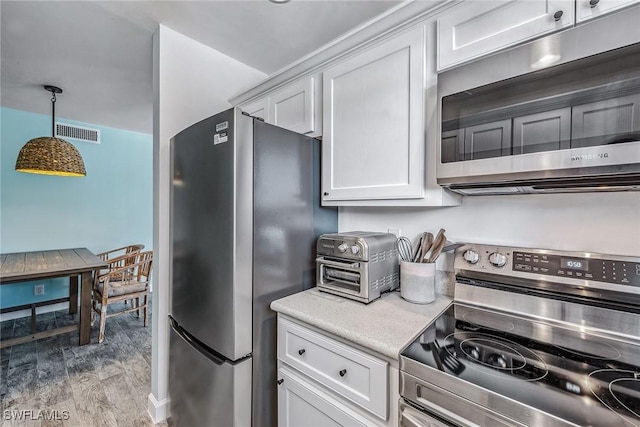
pixel 94 385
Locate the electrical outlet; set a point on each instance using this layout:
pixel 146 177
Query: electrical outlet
pixel 38 289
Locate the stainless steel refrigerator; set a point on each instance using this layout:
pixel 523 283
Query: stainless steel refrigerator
pixel 245 215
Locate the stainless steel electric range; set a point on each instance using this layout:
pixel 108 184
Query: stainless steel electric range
pixel 533 338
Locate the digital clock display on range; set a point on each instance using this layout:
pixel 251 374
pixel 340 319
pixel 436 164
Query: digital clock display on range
pixel 574 264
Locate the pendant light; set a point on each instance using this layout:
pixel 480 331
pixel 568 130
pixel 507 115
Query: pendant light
pixel 50 155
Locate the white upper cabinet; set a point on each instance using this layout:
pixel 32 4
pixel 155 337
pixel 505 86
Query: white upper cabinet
pixel 293 107
pixel 587 9
pixel 258 108
pixel 475 28
pixel 373 113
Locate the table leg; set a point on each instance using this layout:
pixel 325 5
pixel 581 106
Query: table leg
pixel 85 308
pixel 73 294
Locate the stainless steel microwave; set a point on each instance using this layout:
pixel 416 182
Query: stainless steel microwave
pixel 570 127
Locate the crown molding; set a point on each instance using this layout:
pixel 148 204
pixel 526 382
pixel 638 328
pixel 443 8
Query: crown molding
pixel 396 19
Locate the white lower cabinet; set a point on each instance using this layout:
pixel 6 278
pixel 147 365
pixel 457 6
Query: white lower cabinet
pixel 302 404
pixel 324 382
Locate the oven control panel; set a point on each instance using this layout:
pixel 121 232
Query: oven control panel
pixel 597 269
pixel 571 268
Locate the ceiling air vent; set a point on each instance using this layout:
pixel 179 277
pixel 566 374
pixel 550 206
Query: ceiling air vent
pixel 78 133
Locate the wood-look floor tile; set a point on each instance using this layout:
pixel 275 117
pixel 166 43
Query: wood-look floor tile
pixel 45 322
pixel 14 415
pixel 120 396
pixel 67 416
pixel 22 326
pixel 101 385
pixel 52 393
pixel 21 380
pixel 24 353
pixel 92 404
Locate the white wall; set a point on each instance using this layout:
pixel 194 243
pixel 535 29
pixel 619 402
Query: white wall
pixel 595 222
pixel 191 82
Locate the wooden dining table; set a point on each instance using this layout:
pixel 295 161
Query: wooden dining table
pixel 38 265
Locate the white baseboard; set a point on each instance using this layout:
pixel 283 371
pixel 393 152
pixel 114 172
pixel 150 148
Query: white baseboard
pixel 27 312
pixel 158 411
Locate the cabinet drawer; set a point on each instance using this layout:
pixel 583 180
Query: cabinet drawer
pixel 301 404
pixel 351 373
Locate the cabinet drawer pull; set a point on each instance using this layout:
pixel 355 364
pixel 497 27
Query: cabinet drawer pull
pixel 558 15
pixel 343 372
pixel 301 351
pixel 593 3
pixel 280 381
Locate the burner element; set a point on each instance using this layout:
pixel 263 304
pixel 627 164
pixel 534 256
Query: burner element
pixel 496 353
pixel 506 358
pixel 618 390
pixel 591 347
pixel 488 320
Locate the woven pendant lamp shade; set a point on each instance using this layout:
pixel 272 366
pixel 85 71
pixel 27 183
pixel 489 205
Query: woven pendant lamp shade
pixel 50 156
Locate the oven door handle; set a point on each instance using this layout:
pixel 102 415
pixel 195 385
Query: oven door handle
pixel 407 420
pixel 437 409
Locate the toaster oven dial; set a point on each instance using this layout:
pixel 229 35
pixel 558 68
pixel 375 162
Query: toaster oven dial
pixel 471 257
pixel 343 247
pixel 355 249
pixel 497 259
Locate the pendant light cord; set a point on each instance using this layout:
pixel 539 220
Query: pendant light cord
pixel 53 115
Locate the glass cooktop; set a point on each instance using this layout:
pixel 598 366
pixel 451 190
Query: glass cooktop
pixel 579 377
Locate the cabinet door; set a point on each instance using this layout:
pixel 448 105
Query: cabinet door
pixel 587 9
pixel 487 140
pixel 475 28
pixel 293 106
pixel 546 131
pixel 258 108
pixel 605 122
pixel 301 404
pixel 373 120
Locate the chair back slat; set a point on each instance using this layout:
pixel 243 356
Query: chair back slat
pixel 116 253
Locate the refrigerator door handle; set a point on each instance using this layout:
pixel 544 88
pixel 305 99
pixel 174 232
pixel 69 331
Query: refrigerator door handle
pixel 209 353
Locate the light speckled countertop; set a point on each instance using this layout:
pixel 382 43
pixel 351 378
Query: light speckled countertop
pixel 385 326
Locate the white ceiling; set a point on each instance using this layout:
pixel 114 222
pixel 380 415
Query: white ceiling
pixel 100 52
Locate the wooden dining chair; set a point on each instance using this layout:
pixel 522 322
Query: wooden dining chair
pixel 127 278
pixel 119 252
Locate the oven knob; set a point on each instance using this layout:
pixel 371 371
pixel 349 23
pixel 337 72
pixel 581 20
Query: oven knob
pixel 497 259
pixel 343 247
pixel 355 249
pixel 471 257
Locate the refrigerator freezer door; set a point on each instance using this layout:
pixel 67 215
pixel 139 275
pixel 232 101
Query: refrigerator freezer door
pixel 204 393
pixel 211 228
